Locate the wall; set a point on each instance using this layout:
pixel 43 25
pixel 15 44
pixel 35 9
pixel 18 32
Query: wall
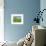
pixel 43 6
pixel 26 7
pixel 1 20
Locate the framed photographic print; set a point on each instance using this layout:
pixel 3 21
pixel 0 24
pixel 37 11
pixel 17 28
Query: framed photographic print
pixel 17 19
